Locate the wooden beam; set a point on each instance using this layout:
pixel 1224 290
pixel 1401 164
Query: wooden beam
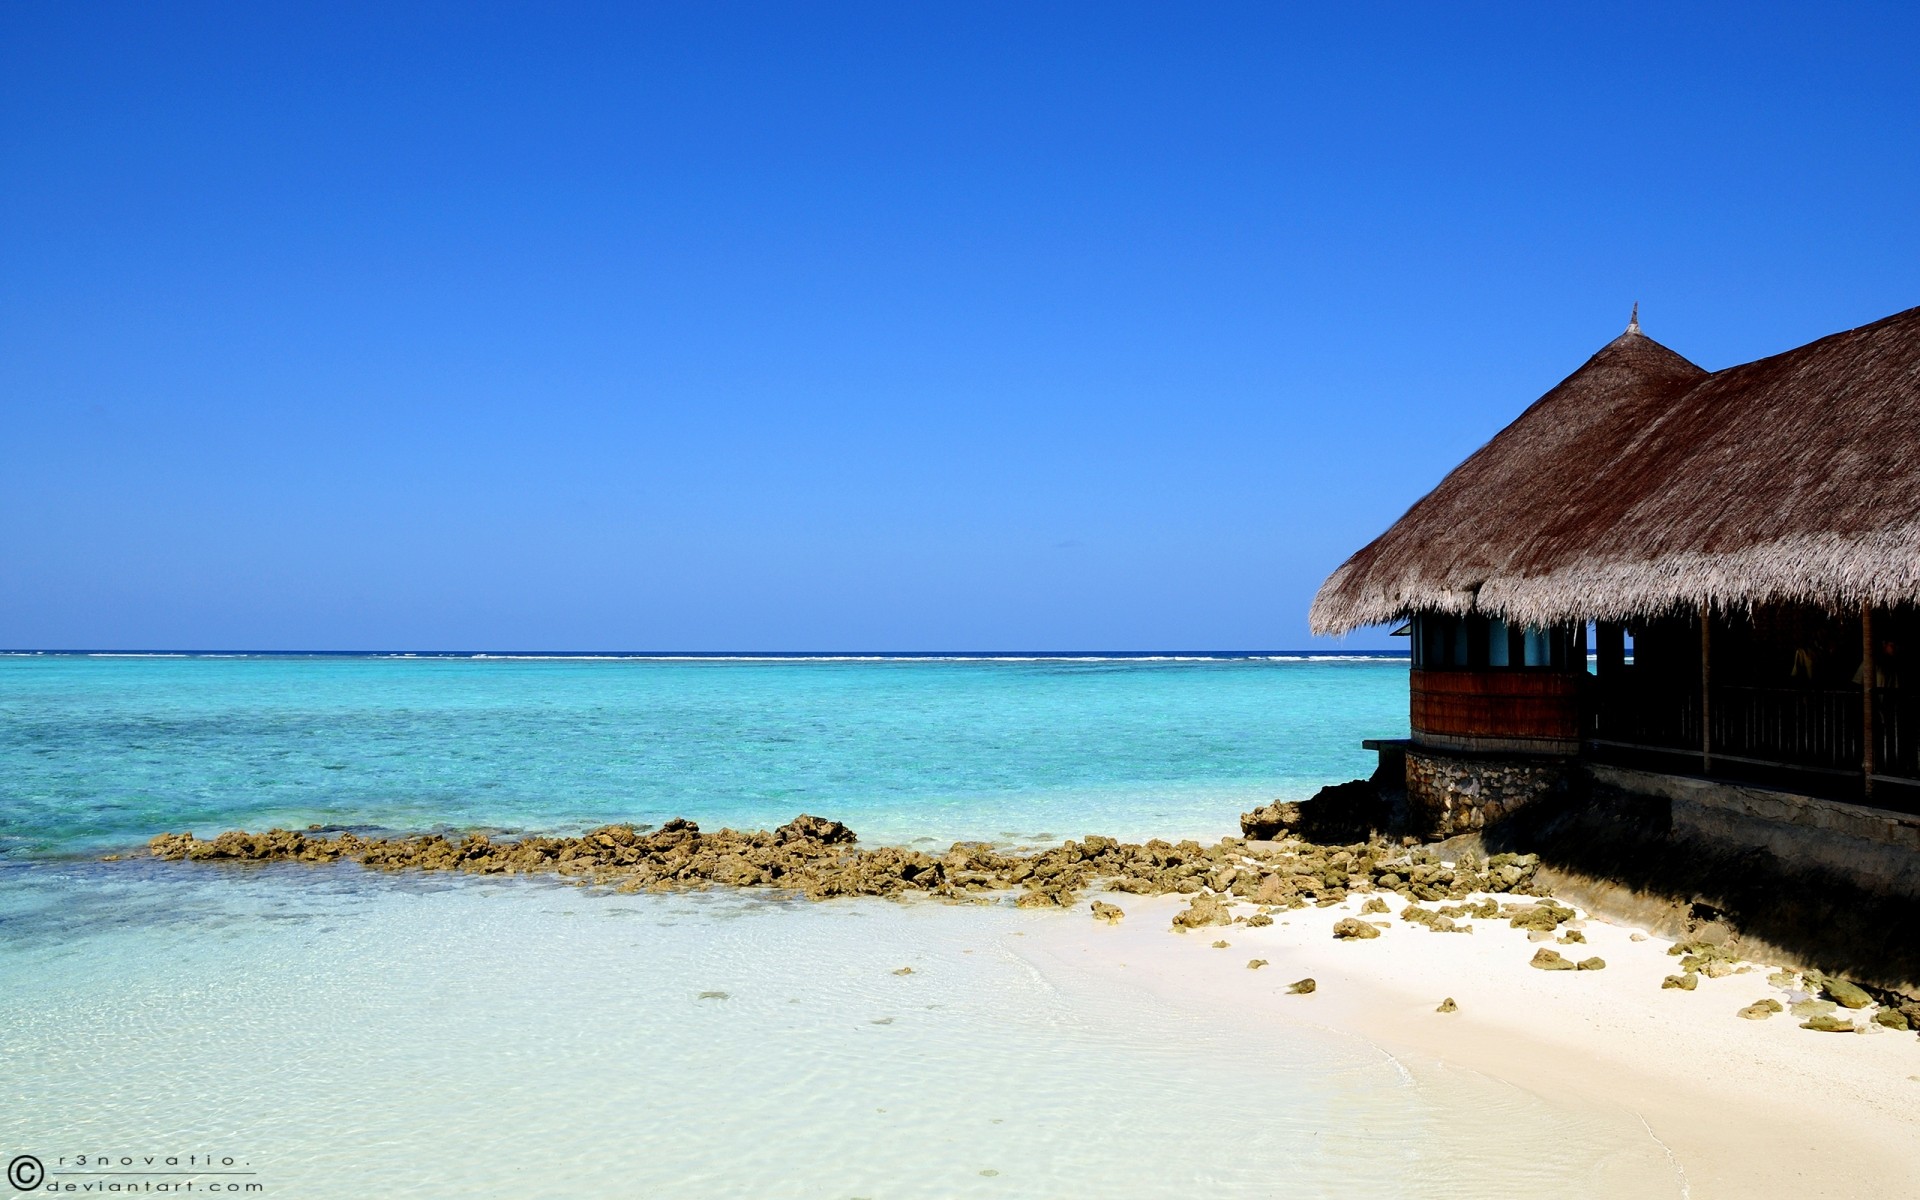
pixel 1706 689
pixel 1610 648
pixel 1868 670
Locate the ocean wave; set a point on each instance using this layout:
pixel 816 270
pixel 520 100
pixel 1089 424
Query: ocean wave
pixel 143 654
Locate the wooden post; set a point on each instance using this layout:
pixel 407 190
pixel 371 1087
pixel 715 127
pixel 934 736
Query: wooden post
pixel 1609 649
pixel 1706 689
pixel 1868 669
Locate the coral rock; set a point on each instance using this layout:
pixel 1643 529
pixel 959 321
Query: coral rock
pixel 1204 910
pixel 805 828
pixel 1846 995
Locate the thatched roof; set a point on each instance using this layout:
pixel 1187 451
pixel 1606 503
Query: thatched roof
pixel 1642 483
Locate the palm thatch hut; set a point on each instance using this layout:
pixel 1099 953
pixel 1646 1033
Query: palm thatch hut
pixel 1743 547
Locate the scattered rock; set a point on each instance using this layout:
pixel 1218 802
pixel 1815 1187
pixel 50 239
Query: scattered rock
pixel 1205 909
pixel 1373 905
pixel 1347 928
pixel 1270 821
pixel 1829 1025
pixel 1448 1005
pixel 1221 945
pixel 1110 913
pixel 1711 959
pixel 1344 812
pixel 1760 1010
pixel 1685 983
pixel 1813 1008
pixel 1596 963
pixel 1258 921
pixel 1546 916
pixel 1892 1018
pixel 1434 922
pixel 904 971
pixel 804 828
pixel 1254 964
pixel 1550 960
pixel 715 996
pixel 1845 994
pixel 1484 909
pixel 1636 937
pixel 1301 987
pixel 1570 937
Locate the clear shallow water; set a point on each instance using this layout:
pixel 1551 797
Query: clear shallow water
pixel 345 1033
pixel 99 753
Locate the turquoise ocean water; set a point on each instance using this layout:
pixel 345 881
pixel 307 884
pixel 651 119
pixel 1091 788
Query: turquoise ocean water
pixel 103 752
pixel 335 1032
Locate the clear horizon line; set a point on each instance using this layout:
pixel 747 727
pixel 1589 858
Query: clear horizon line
pixel 517 653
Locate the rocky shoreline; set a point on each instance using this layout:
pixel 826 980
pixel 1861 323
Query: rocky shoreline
pixel 1267 876
pixel 820 859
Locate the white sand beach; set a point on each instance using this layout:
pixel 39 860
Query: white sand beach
pixel 1745 1108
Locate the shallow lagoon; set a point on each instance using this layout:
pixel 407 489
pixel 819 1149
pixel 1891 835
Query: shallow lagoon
pixel 342 1032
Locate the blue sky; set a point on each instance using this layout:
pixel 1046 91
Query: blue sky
pixel 860 327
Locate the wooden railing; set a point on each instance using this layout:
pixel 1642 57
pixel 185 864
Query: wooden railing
pixel 1803 726
pixel 1806 731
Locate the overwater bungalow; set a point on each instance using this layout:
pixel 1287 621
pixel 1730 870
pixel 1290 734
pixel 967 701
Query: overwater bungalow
pixel 1676 576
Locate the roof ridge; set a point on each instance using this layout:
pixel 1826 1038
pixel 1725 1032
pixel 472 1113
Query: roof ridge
pixel 1642 480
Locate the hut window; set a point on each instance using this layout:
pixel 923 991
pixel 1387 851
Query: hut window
pixel 1499 644
pixel 1440 641
pixel 1538 647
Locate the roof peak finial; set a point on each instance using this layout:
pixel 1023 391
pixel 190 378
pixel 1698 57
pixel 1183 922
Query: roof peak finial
pixel 1633 322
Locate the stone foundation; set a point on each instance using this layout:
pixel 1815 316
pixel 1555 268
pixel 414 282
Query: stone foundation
pixel 1877 849
pixel 1800 879
pixel 1450 794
